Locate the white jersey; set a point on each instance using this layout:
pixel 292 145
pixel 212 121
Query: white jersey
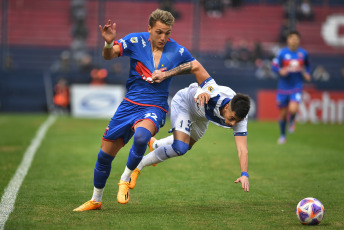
pixel 220 96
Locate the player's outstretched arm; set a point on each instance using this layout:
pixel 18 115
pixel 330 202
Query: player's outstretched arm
pixel 241 143
pixel 108 32
pixel 193 67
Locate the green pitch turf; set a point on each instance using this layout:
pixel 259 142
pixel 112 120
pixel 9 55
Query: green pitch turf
pixel 196 191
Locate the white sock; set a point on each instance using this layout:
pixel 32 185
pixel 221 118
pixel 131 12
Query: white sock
pixel 97 194
pixel 158 155
pixel 126 174
pixel 162 142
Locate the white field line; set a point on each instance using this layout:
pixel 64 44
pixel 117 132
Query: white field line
pixel 9 197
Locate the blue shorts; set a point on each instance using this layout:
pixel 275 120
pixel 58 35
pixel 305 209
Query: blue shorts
pixel 284 99
pixel 127 115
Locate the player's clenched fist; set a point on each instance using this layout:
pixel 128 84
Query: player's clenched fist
pixel 108 31
pixel 158 76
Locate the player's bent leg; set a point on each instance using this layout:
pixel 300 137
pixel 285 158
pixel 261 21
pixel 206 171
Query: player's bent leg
pixel 282 124
pixel 180 147
pixel 293 108
pixel 141 137
pixel 89 205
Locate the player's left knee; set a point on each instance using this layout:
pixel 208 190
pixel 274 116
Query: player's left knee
pixel 142 136
pixel 180 147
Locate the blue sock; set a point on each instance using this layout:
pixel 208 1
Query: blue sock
pixel 282 124
pixel 102 169
pixel 141 138
pixel 292 118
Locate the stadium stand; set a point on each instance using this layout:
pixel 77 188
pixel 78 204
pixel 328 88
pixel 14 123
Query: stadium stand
pixel 44 32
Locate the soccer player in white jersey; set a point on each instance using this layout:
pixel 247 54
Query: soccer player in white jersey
pixel 190 119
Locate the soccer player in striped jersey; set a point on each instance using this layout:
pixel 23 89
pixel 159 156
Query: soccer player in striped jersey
pixel 189 122
pixel 292 65
pixel 143 110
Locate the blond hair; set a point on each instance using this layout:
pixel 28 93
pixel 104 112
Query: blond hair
pixel 162 16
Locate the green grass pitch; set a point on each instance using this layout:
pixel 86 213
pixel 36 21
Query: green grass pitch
pixel 196 191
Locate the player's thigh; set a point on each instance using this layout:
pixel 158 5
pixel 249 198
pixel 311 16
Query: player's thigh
pixel 198 129
pixel 112 147
pixel 282 100
pixel 295 100
pixel 293 107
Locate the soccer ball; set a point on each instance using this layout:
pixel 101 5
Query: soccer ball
pixel 310 211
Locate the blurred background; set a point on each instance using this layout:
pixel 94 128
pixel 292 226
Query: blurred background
pixel 51 52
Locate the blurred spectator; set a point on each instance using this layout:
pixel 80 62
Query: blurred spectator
pixel 264 70
pixel 231 56
pixel 258 53
pixel 61 97
pixel 214 8
pixel 98 76
pixel 78 10
pixel 244 53
pixel 63 65
pixel 235 3
pixel 321 74
pixel 305 11
pixel 79 30
pixel 85 64
pixel 168 5
pixel 284 30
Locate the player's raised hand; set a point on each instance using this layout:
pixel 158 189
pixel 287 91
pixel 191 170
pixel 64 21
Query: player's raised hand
pixel 244 183
pixel 108 31
pixel 158 76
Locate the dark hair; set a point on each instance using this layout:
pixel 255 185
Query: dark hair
pixel 293 32
pixel 240 104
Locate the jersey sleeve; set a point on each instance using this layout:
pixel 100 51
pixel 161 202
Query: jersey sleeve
pixel 209 86
pixel 184 56
pixel 126 44
pixel 240 129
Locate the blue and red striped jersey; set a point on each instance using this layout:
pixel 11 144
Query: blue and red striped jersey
pixel 297 63
pixel 138 47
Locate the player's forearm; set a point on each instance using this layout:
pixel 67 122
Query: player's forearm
pixel 184 68
pixel 200 73
pixel 110 53
pixel 243 158
pixel 193 67
pixel 241 143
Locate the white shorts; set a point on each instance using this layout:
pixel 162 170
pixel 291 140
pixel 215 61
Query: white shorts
pixel 182 118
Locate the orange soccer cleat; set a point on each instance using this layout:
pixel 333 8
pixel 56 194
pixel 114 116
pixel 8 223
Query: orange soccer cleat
pixel 89 205
pixel 133 178
pixel 150 143
pixel 123 192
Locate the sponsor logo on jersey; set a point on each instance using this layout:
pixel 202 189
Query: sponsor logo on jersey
pixel 143 42
pixel 181 51
pixel 210 89
pixel 133 40
pixel 287 56
pixel 123 43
